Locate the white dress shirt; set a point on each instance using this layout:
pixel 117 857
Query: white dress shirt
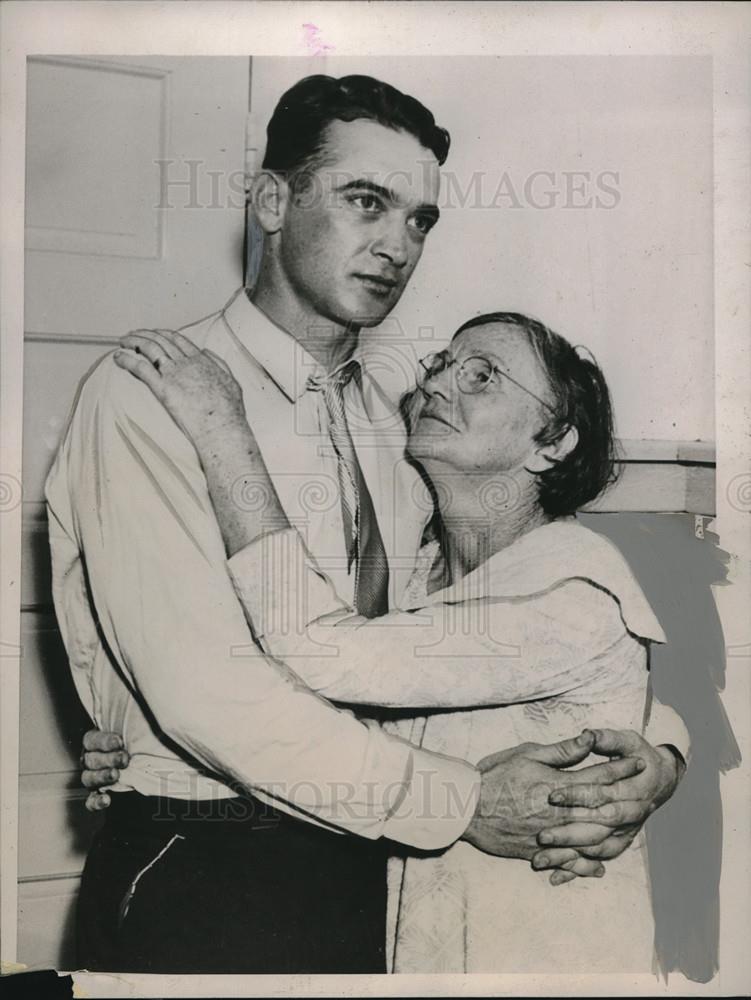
pixel 159 646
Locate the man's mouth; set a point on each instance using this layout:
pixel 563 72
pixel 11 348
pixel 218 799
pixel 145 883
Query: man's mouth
pixel 377 284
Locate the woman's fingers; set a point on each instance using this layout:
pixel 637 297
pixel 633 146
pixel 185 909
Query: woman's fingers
pixel 585 868
pixel 139 366
pixel 174 344
pixel 613 846
pixel 186 346
pixel 583 835
pixel 98 739
pixel 612 814
pixel 553 857
pixel 96 801
pixel 594 795
pixel 560 877
pixel 148 347
pixel 95 760
pixel 607 773
pixel 100 778
pixel 567 859
pixel 618 741
pixel 165 339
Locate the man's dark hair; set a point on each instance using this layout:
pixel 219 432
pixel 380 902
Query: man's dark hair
pixel 296 134
pixel 582 400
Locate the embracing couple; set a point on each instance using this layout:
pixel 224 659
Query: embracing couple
pixel 240 537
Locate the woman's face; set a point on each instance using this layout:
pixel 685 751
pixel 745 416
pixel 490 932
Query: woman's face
pixel 488 431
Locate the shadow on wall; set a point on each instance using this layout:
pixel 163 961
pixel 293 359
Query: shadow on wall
pixel 45 664
pixel 55 829
pixel 676 571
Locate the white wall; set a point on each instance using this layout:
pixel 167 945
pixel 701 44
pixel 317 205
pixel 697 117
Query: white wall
pixel 102 257
pixel 631 279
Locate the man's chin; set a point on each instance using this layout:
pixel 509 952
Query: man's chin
pixel 370 322
pixel 356 319
pixel 368 319
pixel 371 310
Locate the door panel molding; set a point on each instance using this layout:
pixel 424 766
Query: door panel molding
pixel 90 191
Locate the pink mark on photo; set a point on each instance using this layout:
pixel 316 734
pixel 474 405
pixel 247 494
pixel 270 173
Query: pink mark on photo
pixel 313 41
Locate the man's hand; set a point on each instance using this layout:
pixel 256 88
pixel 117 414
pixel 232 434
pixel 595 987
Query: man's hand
pixel 102 759
pixel 514 806
pixel 617 811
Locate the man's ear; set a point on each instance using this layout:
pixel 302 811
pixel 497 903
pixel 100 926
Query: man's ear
pixel 269 196
pixel 545 456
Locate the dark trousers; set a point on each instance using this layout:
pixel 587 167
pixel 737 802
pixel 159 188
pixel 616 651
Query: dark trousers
pixel 231 886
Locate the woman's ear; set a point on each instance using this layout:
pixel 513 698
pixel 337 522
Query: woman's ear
pixel 269 196
pixel 545 456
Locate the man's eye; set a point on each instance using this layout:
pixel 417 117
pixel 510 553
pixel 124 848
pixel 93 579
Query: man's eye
pixel 422 223
pixel 367 202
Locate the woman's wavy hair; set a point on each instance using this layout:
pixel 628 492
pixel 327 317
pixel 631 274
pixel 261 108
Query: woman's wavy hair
pixel 581 400
pixel 296 133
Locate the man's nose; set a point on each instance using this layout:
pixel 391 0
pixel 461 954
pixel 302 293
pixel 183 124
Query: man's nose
pixel 392 244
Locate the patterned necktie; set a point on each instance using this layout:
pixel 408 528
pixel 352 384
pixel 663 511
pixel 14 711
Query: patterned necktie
pixel 362 536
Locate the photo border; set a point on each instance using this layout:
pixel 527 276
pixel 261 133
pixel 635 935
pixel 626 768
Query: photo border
pixel 388 28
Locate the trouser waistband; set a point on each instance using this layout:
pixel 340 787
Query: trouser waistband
pixel 203 817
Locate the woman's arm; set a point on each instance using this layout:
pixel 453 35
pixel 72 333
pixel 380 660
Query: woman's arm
pixel 476 653
pixel 204 399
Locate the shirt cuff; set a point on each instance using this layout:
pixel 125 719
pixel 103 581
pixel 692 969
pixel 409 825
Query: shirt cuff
pixel 280 586
pixel 437 804
pixel 666 728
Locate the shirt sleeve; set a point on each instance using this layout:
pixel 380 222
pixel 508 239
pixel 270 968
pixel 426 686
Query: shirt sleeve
pixel 156 574
pixel 474 653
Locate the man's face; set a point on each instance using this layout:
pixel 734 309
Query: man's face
pixel 354 233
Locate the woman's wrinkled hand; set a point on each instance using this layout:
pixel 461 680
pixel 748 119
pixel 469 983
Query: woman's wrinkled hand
pixel 195 386
pixel 103 757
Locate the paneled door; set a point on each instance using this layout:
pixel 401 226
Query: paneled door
pixel 134 217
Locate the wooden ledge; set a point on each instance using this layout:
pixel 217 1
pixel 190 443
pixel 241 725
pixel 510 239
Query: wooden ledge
pixel 689 452
pixel 663 477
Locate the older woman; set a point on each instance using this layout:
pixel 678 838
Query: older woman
pixel 520 625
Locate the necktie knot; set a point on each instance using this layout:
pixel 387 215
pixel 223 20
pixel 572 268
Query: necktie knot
pixel 340 377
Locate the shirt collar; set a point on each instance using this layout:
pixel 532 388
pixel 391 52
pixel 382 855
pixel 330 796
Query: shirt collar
pixel 283 358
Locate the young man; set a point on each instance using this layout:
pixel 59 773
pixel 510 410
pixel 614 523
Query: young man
pixel 186 875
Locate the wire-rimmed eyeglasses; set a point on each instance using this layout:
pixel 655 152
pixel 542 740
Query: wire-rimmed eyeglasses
pixel 473 374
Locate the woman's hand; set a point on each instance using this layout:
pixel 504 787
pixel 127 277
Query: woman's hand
pixel 604 819
pixel 195 386
pixel 203 398
pixel 103 757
